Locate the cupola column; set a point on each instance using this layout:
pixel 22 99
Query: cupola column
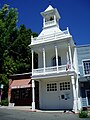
pixel 56 51
pixel 44 64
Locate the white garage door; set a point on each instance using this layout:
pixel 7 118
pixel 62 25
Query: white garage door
pixel 58 95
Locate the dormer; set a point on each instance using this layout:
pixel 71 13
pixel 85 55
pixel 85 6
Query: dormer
pixel 50 17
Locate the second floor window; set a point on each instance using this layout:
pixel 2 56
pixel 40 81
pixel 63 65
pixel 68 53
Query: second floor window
pixel 54 61
pixel 86 67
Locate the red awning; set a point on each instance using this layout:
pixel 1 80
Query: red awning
pixel 21 83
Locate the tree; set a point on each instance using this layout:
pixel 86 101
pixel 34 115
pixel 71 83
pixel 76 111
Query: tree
pixel 15 54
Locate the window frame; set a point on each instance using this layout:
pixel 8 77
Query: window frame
pixel 85 60
pixel 65 86
pixel 52 88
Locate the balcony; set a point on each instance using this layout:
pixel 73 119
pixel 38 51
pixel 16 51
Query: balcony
pixel 51 70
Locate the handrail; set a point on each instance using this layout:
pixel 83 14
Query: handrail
pixel 49 70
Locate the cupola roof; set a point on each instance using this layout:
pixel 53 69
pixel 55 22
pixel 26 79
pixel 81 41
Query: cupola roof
pixel 49 8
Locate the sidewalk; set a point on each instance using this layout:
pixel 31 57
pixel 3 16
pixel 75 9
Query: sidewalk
pixel 27 108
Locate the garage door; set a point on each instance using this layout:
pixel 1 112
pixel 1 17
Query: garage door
pixel 59 95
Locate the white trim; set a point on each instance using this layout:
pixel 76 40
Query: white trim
pixel 83 67
pixel 56 57
pixel 70 55
pixel 44 64
pixel 33 95
pixel 74 94
pixel 32 61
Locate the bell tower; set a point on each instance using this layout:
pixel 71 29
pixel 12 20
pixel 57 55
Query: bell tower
pixel 50 17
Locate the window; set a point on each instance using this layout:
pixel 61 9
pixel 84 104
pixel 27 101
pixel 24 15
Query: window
pixel 52 87
pixel 65 86
pixel 54 61
pixel 50 18
pixel 86 67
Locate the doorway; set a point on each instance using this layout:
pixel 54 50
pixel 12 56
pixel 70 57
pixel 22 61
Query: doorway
pixel 88 97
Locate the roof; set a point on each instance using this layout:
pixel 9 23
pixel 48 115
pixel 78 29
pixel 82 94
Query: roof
pixel 87 45
pixel 20 83
pixel 20 76
pixel 49 8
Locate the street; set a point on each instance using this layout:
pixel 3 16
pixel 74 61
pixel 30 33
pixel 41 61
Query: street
pixel 11 114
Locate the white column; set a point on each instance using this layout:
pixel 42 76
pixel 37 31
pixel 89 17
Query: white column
pixel 44 59
pixel 74 94
pixel 32 62
pixel 77 82
pixel 70 55
pixel 33 95
pixel 56 57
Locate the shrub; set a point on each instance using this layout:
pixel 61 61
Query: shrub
pixel 83 114
pixel 4 102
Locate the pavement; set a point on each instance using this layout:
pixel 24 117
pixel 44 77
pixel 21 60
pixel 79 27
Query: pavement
pixel 23 113
pixel 29 108
pixel 26 108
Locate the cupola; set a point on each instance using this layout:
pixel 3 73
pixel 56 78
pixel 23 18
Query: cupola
pixel 50 17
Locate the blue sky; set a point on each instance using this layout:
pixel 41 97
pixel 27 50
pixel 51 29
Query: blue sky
pixel 75 14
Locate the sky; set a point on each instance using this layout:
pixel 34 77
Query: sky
pixel 75 14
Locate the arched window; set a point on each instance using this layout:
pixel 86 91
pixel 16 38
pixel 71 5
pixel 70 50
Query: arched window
pixel 54 61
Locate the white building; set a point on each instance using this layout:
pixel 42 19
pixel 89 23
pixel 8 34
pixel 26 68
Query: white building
pixel 57 71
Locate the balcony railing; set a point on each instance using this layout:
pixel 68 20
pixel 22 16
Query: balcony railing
pixel 84 102
pixel 50 37
pixel 50 70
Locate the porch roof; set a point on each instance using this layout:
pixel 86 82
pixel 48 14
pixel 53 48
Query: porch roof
pixel 20 83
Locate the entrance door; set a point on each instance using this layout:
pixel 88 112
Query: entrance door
pixel 65 95
pixel 88 97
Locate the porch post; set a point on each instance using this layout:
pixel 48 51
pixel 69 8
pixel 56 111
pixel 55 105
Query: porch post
pixel 33 95
pixel 74 95
pixel 70 55
pixel 56 57
pixel 9 91
pixel 44 59
pixel 32 61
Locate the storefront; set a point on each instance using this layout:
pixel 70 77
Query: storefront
pixel 20 90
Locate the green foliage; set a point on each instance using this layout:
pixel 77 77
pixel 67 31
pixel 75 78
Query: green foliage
pixel 4 102
pixel 83 114
pixel 15 54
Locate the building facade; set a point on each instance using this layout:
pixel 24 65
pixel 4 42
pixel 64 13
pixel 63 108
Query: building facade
pixel 57 71
pixel 83 53
pixel 20 90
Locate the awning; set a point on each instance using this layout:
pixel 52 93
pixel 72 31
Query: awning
pixel 21 83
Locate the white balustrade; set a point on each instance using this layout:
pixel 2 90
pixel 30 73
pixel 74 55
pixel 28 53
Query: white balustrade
pixel 62 68
pixel 49 70
pixel 49 22
pixel 84 102
pixel 50 37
